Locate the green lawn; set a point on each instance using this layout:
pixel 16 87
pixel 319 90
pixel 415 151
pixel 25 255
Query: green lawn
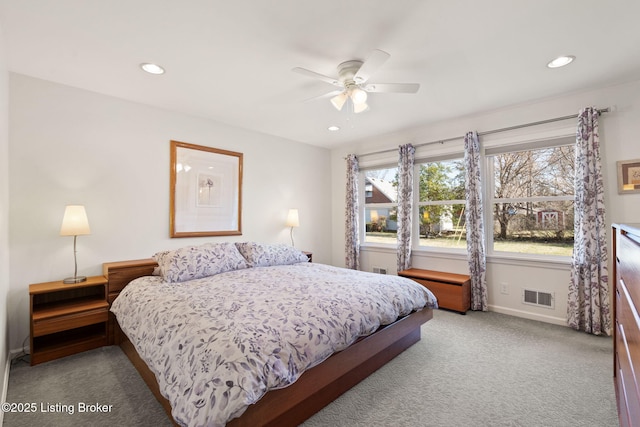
pixel 518 246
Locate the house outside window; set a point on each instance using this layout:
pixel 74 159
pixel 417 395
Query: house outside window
pixel 528 193
pixel 441 204
pixel 532 200
pixel 381 206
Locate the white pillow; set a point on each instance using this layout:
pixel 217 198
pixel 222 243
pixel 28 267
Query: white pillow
pixel 194 262
pixel 264 255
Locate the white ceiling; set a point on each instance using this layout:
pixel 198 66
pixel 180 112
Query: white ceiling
pixel 231 61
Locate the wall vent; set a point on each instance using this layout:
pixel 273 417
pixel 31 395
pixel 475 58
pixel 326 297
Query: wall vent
pixel 379 270
pixel 539 298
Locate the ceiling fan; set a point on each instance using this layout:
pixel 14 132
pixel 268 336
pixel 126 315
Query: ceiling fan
pixel 353 77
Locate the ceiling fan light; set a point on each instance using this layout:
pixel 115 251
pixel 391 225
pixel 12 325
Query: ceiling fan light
pixel 339 100
pixel 358 96
pixel 359 108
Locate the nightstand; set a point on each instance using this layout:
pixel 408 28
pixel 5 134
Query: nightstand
pixel 67 318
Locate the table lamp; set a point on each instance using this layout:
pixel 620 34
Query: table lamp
pixel 75 223
pixel 292 221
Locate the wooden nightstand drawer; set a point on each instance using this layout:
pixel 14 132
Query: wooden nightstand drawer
pixel 67 318
pixel 70 321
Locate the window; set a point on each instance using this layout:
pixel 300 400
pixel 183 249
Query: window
pixel 368 190
pixel 532 200
pixel 381 205
pixel 528 196
pixel 441 204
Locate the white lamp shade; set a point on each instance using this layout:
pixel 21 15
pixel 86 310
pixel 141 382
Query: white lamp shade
pixel 339 100
pixel 292 218
pixel 358 96
pixel 359 108
pixel 75 222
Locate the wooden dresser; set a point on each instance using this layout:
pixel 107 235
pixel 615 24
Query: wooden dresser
pixel 626 334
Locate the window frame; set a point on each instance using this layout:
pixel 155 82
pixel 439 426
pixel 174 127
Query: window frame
pixel 490 200
pixel 417 203
pixel 362 179
pixel 563 136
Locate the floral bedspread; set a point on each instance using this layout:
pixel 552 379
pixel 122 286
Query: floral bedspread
pixel 217 344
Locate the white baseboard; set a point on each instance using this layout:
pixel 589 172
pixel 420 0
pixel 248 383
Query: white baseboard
pixel 528 315
pixel 5 385
pixel 7 369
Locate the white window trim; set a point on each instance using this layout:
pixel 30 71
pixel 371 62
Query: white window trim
pixel 517 258
pixel 532 260
pixel 415 231
pixel 363 206
pixel 563 135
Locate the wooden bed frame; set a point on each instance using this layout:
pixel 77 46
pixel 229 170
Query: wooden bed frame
pixel 315 389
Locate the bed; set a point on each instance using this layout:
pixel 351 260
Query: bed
pixel 253 334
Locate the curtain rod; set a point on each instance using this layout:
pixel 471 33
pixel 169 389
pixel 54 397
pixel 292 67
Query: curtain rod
pixel 489 132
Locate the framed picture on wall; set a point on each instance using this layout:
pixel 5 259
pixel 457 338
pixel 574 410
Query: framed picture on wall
pixel 629 176
pixel 205 191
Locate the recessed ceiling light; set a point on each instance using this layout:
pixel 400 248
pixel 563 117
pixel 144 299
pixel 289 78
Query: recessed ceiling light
pixel 561 61
pixel 333 128
pixel 152 68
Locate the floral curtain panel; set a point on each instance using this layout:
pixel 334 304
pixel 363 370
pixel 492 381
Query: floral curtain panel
pixel 588 306
pixel 474 218
pixel 405 204
pixel 351 236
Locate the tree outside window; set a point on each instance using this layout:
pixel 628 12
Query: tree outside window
pixel 441 204
pixel 529 195
pixel 532 201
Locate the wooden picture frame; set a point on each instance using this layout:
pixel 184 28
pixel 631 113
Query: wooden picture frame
pixel 628 176
pixel 205 191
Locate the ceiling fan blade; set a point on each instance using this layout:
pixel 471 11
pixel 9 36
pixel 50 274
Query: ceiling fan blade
pixel 392 87
pixel 318 76
pixel 371 65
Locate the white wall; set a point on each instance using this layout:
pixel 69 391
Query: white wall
pixel 70 146
pixel 4 213
pixel 619 132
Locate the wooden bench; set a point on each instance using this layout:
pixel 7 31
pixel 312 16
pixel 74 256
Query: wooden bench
pixel 452 290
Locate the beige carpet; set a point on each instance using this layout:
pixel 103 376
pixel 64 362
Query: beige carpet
pixel 482 369
pixel 486 369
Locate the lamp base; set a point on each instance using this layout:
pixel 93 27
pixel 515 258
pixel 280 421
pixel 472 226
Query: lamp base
pixel 76 279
